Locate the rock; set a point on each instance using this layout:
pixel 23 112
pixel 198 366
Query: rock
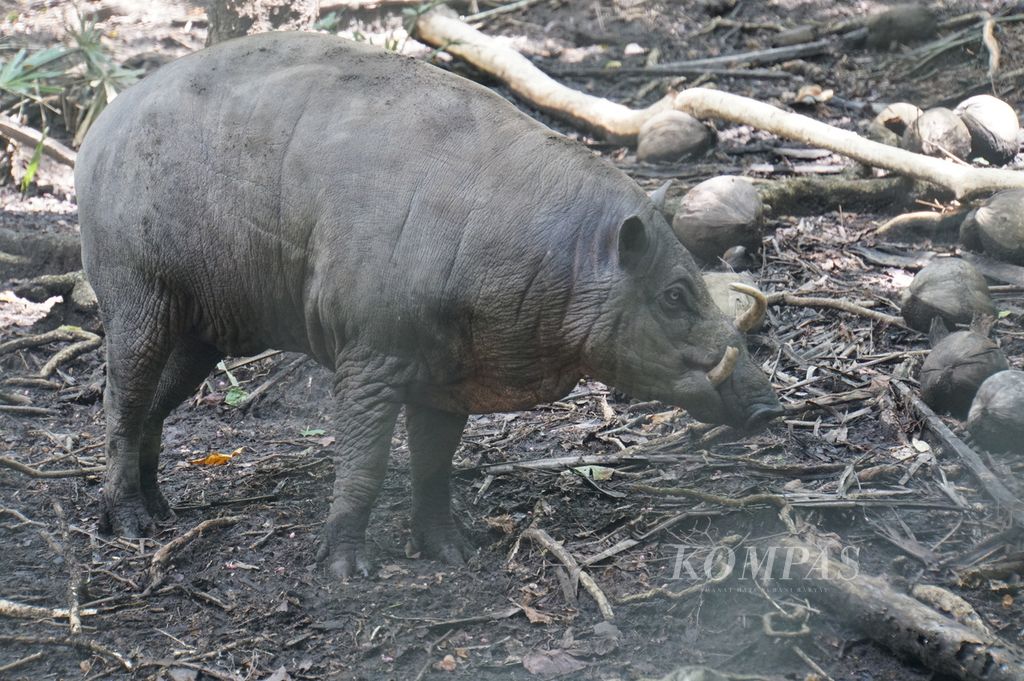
pixel 995 419
pixel 938 132
pixel 718 214
pixel 948 288
pixel 993 127
pixel 673 136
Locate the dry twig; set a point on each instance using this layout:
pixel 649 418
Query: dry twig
pixel 785 298
pixel 993 485
pixel 545 540
pixel 36 473
pixel 164 553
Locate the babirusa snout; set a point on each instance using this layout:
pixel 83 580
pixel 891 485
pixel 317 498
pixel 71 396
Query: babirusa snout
pixel 725 367
pixel 753 315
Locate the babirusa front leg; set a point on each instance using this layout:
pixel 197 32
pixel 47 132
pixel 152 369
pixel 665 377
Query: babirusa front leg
pixel 366 413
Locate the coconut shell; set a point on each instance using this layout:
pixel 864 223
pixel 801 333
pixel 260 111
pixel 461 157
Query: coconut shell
pixel 718 214
pixel 969 236
pixel 938 132
pixel 996 419
pixel 993 126
pixel 897 117
pixel 948 288
pixel 901 25
pixel 997 226
pixel 731 303
pixel 956 367
pixel 673 136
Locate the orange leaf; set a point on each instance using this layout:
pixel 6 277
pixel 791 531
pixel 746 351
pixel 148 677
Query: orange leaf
pixel 216 458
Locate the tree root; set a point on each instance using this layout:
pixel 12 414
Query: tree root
pixel 82 341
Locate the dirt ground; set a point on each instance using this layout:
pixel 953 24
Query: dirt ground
pixel 246 600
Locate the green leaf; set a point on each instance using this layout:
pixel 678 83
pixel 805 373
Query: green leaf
pixel 235 396
pixel 1003 314
pixel 23 76
pixel 312 432
pixel 33 165
pixel 328 23
pixel 597 473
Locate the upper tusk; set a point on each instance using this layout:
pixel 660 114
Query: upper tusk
pixel 725 367
pixel 752 317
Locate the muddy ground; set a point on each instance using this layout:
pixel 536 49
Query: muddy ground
pixel 246 600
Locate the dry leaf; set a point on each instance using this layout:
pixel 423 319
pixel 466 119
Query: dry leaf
pixel 502 523
pixel 280 674
pixel 551 663
pixel 216 458
pixel 535 616
pixel 447 664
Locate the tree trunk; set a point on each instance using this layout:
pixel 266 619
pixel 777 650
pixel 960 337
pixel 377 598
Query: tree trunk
pixel 235 18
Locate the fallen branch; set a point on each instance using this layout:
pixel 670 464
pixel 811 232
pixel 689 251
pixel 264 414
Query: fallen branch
pixel 816 195
pixel 73 642
pixel 620 123
pixel 21 662
pixel 922 224
pixel 23 134
pixel 993 486
pixel 545 540
pixel 612 121
pixel 164 553
pixel 776 500
pixel 902 623
pixel 771 55
pixel 24 410
pixel 22 611
pixel 74 572
pixel 963 181
pixel 785 298
pixel 35 472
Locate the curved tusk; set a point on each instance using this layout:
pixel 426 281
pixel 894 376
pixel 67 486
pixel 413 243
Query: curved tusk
pixel 754 315
pixel 725 367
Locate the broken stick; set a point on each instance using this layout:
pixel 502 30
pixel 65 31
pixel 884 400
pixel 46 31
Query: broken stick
pixel 545 540
pixel 23 134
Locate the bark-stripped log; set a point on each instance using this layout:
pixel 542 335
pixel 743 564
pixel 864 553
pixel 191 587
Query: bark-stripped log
pixel 902 623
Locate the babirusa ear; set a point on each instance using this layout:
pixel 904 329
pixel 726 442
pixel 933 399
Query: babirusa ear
pixel 633 242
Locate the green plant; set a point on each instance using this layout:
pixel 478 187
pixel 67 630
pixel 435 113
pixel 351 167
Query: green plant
pixel 27 77
pixel 33 165
pixel 328 23
pixel 103 78
pixel 411 14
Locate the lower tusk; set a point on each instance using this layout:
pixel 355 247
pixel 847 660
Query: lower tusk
pixel 753 315
pixel 725 367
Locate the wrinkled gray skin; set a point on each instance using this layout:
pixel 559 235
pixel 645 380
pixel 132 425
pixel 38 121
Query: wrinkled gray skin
pixel 407 228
